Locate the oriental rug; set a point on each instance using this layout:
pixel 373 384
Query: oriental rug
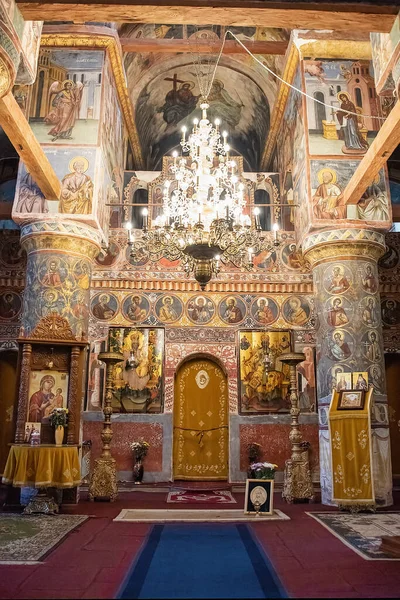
pixel 139 515
pixel 201 497
pixel 362 532
pixel 201 561
pixel 26 539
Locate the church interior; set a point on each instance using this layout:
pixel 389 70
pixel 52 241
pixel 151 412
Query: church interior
pixel 199 299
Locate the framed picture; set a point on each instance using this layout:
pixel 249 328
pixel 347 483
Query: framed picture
pixel 32 433
pixel 360 380
pixel 47 390
pixel 351 400
pixel 138 379
pixel 262 391
pixel 259 492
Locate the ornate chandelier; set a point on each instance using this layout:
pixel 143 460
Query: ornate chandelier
pixel 203 221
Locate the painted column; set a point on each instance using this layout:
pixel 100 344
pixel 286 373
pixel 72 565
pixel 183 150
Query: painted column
pixel 58 276
pixel 349 338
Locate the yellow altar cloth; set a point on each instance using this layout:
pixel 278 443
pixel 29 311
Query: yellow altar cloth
pixel 351 452
pixel 43 466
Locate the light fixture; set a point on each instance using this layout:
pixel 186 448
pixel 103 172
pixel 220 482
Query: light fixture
pixel 204 221
pixel 131 362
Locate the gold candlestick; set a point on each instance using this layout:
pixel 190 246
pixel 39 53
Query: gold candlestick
pixel 297 484
pixel 103 482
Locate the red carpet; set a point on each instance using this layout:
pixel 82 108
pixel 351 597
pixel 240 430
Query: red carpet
pixel 92 561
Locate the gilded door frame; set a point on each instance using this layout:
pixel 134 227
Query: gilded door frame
pixel 220 364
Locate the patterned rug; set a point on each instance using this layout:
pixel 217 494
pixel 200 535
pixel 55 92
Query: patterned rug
pixel 224 515
pixel 199 497
pixel 28 538
pixel 362 532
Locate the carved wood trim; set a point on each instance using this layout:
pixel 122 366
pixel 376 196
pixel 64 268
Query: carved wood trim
pixel 73 402
pixel 53 327
pixel 23 398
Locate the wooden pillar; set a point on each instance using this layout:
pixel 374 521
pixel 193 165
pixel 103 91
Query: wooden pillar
pixel 23 393
pixel 74 404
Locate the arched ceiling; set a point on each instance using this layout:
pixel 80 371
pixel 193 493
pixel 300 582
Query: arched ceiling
pixel 165 93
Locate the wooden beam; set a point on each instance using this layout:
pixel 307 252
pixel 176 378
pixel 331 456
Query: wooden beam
pixel 200 46
pixel 257 13
pixel 386 141
pixel 18 130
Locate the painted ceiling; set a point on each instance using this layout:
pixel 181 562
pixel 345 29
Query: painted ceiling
pixel 165 94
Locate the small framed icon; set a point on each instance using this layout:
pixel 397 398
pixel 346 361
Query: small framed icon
pixel 351 400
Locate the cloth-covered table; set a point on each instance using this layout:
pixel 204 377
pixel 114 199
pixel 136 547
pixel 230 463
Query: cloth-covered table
pixel 43 466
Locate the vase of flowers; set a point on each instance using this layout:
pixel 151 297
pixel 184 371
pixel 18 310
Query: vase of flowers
pixel 58 418
pixel 253 454
pixel 139 450
pixel 263 470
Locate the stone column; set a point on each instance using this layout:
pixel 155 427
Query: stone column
pixel 58 275
pixel 349 338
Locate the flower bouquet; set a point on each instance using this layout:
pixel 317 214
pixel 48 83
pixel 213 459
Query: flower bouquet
pixel 140 450
pixel 263 470
pixel 58 417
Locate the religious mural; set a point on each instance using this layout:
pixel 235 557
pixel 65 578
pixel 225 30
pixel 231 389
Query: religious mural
pixel 328 181
pixel 348 296
pixel 261 390
pixel 75 168
pixel 385 52
pixel 96 377
pixel 10 305
pixel 172 100
pixel 348 87
pixel 57 283
pixel 66 97
pixel 138 380
pixel 47 390
pixel 112 132
pixel 203 309
pixel 307 380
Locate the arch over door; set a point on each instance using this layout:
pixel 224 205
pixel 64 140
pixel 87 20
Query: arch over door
pixel 200 421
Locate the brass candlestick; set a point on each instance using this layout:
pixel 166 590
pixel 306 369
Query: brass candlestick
pixel 297 484
pixel 103 482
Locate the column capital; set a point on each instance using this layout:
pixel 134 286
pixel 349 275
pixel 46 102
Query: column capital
pixel 343 244
pixel 64 236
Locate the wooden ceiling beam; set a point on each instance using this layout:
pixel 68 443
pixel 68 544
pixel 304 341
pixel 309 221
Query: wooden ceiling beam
pixel 386 141
pixel 20 134
pixel 257 13
pixel 172 46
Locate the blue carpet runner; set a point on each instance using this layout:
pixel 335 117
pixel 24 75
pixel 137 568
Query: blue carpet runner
pixel 201 560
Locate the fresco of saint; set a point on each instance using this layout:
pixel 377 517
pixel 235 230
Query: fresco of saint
pixel 338 281
pixel 339 348
pixel 223 105
pixel 349 127
pixel 328 198
pixel 336 314
pixel 179 102
pixel 102 310
pixel 295 311
pixel 66 102
pixel 373 205
pixel 76 189
pixel 232 312
pixel 30 197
